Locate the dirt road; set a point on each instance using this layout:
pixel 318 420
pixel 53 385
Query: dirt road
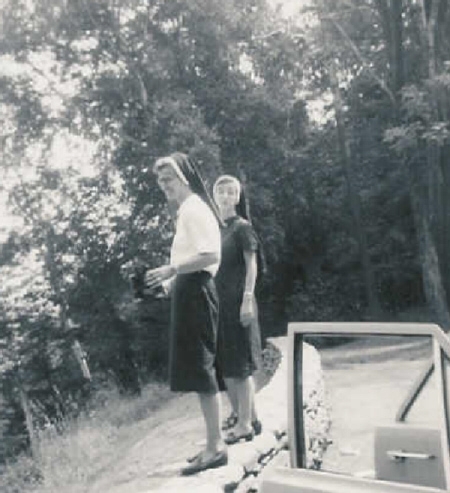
pixel 365 389
pixel 359 396
pixel 161 446
pixel 158 447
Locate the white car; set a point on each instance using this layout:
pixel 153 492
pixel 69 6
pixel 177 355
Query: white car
pixel 388 392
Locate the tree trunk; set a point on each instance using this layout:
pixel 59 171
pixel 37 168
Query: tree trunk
pixel 390 12
pixel 25 405
pixel 445 221
pixel 396 26
pixel 354 200
pixel 431 273
pixel 431 246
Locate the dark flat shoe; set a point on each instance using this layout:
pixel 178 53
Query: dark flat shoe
pixel 257 426
pixel 198 465
pixel 233 438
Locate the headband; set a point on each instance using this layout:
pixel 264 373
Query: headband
pixel 228 179
pixel 170 161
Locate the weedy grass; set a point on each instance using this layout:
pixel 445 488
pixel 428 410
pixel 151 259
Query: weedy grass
pixel 70 457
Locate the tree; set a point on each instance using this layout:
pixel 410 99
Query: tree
pixel 133 82
pixel 390 72
pixel 427 124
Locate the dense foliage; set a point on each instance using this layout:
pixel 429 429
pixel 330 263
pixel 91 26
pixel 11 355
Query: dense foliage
pixel 336 120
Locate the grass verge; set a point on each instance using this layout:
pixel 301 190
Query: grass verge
pixel 68 459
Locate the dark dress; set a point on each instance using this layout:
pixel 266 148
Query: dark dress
pixel 239 347
pixel 193 334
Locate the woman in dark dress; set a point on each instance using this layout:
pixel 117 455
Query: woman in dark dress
pixel 239 341
pixel 194 261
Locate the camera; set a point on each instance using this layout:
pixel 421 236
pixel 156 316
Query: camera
pixel 140 289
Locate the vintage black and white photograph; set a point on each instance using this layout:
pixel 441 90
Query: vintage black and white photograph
pixel 224 246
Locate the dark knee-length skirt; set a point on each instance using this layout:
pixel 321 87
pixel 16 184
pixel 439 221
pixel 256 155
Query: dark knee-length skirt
pixel 193 334
pixel 239 347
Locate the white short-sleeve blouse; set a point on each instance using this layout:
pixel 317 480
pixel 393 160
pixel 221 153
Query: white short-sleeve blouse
pixel 197 231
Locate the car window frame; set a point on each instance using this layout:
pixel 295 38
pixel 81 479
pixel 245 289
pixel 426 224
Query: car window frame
pixel 441 349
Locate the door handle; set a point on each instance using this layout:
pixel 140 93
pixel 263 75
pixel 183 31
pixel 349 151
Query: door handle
pixel 401 455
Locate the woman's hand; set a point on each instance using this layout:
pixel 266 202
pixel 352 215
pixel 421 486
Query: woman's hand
pixel 154 277
pixel 247 313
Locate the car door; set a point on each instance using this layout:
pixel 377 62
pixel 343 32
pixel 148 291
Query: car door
pixel 385 400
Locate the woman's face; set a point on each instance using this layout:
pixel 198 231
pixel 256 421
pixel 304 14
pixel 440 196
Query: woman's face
pixel 170 183
pixel 226 196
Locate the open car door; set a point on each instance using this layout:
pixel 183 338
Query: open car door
pixel 386 390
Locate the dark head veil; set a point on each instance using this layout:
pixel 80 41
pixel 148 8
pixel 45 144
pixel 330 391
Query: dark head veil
pixel 243 210
pixel 187 171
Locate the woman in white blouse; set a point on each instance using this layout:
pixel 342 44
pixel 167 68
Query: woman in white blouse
pixel 194 261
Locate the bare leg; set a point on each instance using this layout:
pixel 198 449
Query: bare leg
pixel 232 394
pixel 210 405
pixel 244 389
pixel 252 398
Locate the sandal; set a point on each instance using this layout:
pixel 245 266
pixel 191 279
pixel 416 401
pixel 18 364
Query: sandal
pixel 229 422
pixel 218 460
pixel 233 438
pixel 193 458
